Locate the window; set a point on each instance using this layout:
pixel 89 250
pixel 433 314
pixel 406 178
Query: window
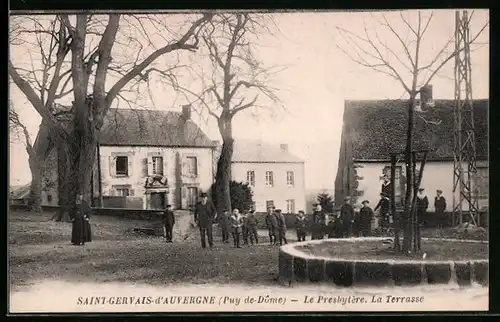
pixel 122 192
pixel 158 165
pixel 251 178
pixel 290 178
pixel 192 166
pixel 122 166
pixel 290 206
pixel 269 179
pixel 482 183
pixel 269 203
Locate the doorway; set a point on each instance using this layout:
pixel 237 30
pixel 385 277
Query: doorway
pixel 157 200
pixel 192 197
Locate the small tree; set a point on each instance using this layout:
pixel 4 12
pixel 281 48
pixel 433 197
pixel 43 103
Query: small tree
pixel 326 202
pixel 241 196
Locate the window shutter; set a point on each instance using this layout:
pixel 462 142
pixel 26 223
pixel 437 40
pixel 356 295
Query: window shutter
pixel 112 166
pixel 184 171
pixel 131 192
pixel 112 192
pixel 145 167
pixel 150 166
pixel 130 166
pixel 195 167
pixel 164 166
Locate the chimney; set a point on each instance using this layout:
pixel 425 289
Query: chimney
pixel 284 147
pixel 426 96
pixel 185 116
pixel 186 112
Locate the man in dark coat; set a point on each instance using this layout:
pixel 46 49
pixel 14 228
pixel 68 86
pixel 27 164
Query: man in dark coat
pixel 346 217
pixel 224 226
pixel 365 219
pixel 251 225
pixel 280 219
pixel 318 223
pixel 81 231
pixel 440 207
pixel 204 215
pixel 272 225
pixel 384 205
pixel 168 223
pixel 386 186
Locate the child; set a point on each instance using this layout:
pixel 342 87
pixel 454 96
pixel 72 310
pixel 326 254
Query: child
pixel 300 224
pixel 168 223
pixel 251 226
pixel 236 221
pixel 365 219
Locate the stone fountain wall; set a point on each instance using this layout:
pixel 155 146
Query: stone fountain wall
pixel 297 266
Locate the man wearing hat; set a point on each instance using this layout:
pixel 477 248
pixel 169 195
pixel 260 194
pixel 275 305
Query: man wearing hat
pixel 280 219
pixel 272 225
pixel 440 207
pixel 168 223
pixel 204 216
pixel 346 217
pixel 365 219
pixel 224 226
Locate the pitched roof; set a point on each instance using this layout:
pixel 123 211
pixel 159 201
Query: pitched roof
pixel 20 192
pixel 251 151
pixel 378 128
pixel 143 127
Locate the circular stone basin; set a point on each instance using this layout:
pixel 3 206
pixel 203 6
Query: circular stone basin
pixel 369 261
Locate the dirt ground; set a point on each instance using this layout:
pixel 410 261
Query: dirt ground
pixel 40 249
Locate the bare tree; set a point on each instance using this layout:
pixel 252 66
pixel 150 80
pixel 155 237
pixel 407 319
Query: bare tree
pixel 84 49
pixel 17 130
pixel 235 81
pixel 405 65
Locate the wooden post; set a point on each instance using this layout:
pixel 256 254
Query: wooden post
pixel 419 181
pixel 395 216
pixel 99 174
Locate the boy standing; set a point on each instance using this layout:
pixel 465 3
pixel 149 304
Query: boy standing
pixel 300 224
pixel 236 221
pixel 346 217
pixel 365 219
pixel 440 207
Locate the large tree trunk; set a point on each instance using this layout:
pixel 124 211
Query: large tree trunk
pixel 407 231
pixel 35 196
pixel 64 182
pixel 223 175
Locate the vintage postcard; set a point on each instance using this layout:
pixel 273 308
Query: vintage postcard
pixel 227 161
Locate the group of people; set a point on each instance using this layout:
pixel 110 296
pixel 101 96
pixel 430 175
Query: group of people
pixel 242 227
pixel 348 222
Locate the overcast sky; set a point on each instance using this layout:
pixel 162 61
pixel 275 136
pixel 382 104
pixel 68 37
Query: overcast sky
pixel 317 79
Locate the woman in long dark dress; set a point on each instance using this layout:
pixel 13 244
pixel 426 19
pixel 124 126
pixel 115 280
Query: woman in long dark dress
pixel 81 232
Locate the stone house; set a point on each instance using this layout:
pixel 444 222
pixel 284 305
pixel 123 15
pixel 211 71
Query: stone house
pixel 275 175
pixel 150 158
pixel 373 129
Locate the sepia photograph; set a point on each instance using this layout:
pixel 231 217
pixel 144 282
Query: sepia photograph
pixel 248 161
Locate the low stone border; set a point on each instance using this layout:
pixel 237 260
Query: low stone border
pixel 297 266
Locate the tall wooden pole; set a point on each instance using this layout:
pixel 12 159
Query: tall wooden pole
pixel 99 174
pixel 395 216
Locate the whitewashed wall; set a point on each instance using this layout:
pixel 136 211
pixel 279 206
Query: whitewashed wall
pixel 280 192
pixel 437 175
pixel 140 157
